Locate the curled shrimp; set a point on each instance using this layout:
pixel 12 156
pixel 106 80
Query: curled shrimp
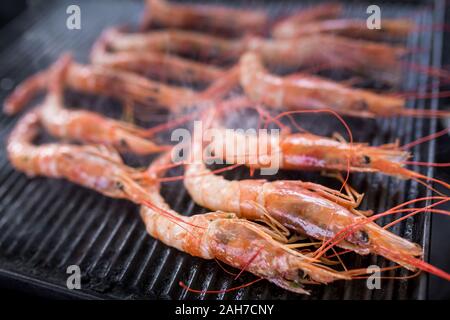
pixel 153 63
pixel 211 18
pixel 86 126
pixel 237 242
pixel 93 166
pixel 99 80
pixel 355 28
pixel 287 27
pixel 304 207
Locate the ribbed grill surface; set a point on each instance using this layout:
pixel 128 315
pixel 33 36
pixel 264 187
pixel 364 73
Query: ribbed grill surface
pixel 47 225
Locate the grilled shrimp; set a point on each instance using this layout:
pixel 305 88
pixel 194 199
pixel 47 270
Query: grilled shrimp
pixel 376 61
pixel 190 43
pixel 86 126
pixel 236 242
pixel 307 151
pixel 311 91
pixel 303 207
pixel 287 27
pixel 153 63
pixel 100 80
pixel 210 18
pixel 92 166
pixel 355 28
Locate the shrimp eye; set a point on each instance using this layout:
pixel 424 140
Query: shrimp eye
pixel 362 236
pixel 301 274
pixel 119 185
pixel 366 159
pixel 123 143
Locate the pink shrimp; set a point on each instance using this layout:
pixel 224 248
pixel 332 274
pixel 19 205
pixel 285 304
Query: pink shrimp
pixel 92 166
pixel 306 91
pixel 211 18
pixel 100 80
pixel 86 126
pixel 288 26
pixel 355 28
pixel 190 43
pixel 153 63
pixel 376 61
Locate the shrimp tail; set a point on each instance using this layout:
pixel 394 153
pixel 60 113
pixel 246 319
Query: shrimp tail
pixel 25 92
pixel 393 247
pixel 408 259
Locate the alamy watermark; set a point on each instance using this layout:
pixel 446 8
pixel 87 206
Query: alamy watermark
pixel 374 20
pixel 257 148
pixel 374 279
pixel 73 21
pixel 74 279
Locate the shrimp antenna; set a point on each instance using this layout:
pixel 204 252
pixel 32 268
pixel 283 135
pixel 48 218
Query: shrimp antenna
pixel 420 177
pixel 426 139
pixel 420 264
pixel 424 113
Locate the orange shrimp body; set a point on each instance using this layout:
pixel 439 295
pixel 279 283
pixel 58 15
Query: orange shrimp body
pixel 212 18
pixel 91 166
pixel 355 28
pixel 373 60
pixel 98 80
pixel 90 127
pixel 190 43
pixel 287 27
pixel 125 85
pixel 311 91
pixel 153 63
pixel 309 152
pixel 86 126
pixel 306 208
